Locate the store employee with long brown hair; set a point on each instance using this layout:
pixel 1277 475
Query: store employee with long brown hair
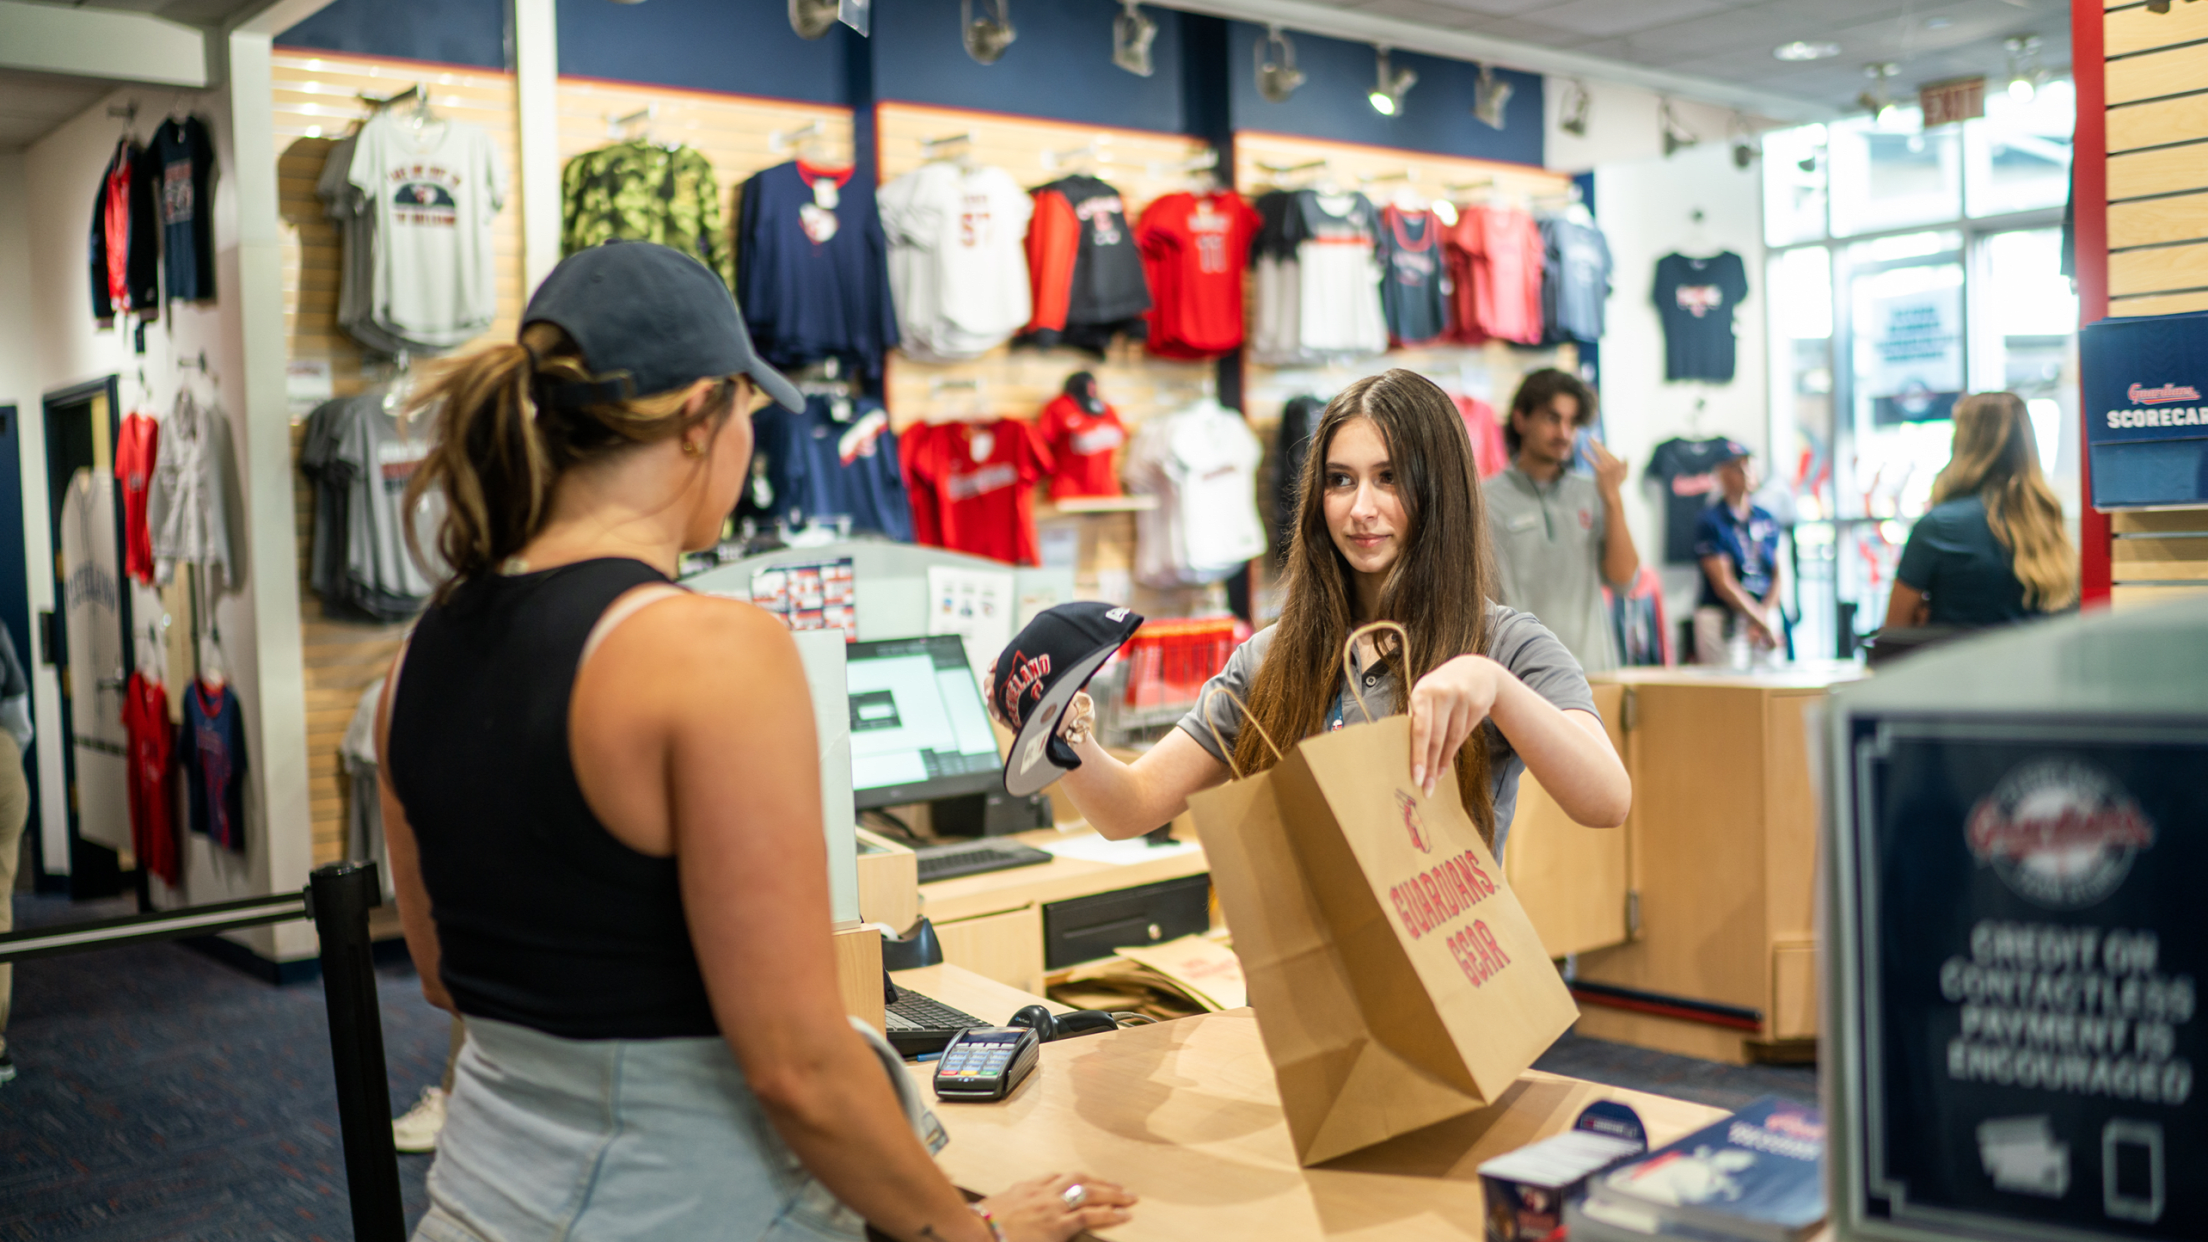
pixel 602 798
pixel 1390 526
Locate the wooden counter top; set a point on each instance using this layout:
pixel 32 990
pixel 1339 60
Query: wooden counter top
pixel 1800 675
pixel 1186 1114
pixel 967 896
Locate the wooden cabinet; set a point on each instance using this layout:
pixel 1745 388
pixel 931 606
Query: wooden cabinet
pixel 1006 947
pixel 1723 850
pixel 1573 881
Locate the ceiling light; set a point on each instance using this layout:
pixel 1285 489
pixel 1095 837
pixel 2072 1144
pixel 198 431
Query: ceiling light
pixel 1877 100
pixel 1938 23
pixel 1490 94
pixel 1677 137
pixel 1801 49
pixel 1389 84
pixel 986 37
pixel 1132 34
pixel 1576 104
pixel 1277 78
pixel 809 18
pixel 2025 72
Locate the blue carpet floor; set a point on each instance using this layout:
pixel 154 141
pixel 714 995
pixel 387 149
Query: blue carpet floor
pixel 166 1097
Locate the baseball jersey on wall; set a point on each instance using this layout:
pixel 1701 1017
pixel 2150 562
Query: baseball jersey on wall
pixel 812 268
pixel 1087 275
pixel 1195 249
pixel 1696 299
pixel 1084 436
pixel 835 459
pixel 92 637
pixel 432 193
pixel 1412 271
pixel 957 259
pixel 1338 276
pixel 1201 464
pixel 972 486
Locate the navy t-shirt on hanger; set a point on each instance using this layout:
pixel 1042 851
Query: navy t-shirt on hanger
pixel 184 164
pixel 211 750
pixel 1696 299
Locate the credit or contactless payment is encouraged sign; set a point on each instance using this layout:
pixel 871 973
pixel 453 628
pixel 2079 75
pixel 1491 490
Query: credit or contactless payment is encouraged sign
pixel 2031 935
pixel 2145 388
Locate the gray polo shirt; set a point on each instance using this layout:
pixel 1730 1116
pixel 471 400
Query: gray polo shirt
pixel 1514 640
pixel 1548 558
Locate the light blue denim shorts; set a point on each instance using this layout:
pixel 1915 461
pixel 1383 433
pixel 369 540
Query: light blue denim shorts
pixel 564 1140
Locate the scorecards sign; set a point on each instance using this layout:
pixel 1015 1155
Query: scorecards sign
pixel 2145 387
pixel 2031 936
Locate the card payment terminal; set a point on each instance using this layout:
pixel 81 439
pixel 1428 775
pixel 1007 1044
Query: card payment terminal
pixel 986 1062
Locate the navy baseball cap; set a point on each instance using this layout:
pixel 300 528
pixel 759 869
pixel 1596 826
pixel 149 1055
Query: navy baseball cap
pixel 651 319
pixel 1049 662
pixel 1734 450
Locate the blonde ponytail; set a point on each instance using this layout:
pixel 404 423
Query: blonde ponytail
pixel 496 453
pixel 1996 458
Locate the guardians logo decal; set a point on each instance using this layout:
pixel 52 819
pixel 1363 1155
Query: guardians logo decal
pixel 1412 824
pixel 2059 833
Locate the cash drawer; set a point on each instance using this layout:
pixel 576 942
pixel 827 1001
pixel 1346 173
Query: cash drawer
pixel 1082 929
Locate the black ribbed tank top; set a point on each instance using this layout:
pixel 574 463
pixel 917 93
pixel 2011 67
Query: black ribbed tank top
pixel 543 917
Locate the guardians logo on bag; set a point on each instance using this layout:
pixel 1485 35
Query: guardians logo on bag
pixel 1412 824
pixel 2059 833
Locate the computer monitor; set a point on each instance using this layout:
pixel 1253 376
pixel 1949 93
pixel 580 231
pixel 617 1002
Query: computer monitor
pixel 919 730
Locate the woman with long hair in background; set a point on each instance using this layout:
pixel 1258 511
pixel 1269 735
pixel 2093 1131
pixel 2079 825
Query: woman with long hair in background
pixel 1992 549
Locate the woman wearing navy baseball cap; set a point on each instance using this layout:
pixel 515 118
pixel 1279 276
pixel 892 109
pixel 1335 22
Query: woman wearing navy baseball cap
pixel 601 793
pixel 1390 526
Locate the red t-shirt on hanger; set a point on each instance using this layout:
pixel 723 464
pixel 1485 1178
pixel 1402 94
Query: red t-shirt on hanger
pixel 150 741
pixel 1083 448
pixel 135 447
pixel 978 482
pixel 1194 249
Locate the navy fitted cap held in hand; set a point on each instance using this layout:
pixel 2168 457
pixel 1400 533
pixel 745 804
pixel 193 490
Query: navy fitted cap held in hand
pixel 1049 662
pixel 651 319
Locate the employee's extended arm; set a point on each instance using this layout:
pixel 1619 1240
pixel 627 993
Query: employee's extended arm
pixel 1719 571
pixel 1565 749
pixel 1620 559
pixel 1123 800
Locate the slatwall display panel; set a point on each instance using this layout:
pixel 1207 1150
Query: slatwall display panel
pixel 2158 159
pixel 1017 383
pixel 317 100
pixel 740 134
pixel 2158 556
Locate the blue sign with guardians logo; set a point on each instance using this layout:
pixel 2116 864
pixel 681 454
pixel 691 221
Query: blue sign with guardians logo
pixel 2032 946
pixel 2145 389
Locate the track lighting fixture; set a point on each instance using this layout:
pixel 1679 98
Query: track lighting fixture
pixel 1677 137
pixel 986 37
pixel 1576 104
pixel 2026 75
pixel 809 18
pixel 1132 34
pixel 1743 137
pixel 1876 99
pixel 1389 84
pixel 1491 94
pixel 1277 75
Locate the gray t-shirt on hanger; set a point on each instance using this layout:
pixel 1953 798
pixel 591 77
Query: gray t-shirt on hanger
pixel 1514 640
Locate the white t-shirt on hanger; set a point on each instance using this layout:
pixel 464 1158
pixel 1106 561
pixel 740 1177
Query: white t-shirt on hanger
pixel 958 262
pixel 432 194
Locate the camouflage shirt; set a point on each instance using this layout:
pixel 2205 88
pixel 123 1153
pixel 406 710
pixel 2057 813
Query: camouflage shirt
pixel 642 191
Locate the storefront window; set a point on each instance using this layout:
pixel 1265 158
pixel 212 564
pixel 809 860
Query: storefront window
pixel 2017 158
pixel 1800 282
pixel 1889 173
pixel 1794 168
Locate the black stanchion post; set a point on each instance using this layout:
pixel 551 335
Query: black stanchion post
pixel 340 896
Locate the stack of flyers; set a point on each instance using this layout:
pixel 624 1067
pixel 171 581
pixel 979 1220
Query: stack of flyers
pixel 820 596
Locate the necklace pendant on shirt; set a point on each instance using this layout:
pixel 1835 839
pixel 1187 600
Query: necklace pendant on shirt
pixel 825 196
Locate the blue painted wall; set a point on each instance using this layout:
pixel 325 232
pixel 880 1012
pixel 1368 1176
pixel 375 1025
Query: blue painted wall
pixel 1060 67
pixel 743 47
pixel 457 32
pixel 1436 116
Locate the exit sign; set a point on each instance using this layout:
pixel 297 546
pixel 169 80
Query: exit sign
pixel 1945 103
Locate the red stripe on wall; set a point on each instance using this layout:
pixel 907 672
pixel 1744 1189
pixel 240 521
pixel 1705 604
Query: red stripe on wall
pixel 2089 194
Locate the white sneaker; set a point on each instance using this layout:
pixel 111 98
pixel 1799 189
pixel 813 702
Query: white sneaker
pixel 417 1130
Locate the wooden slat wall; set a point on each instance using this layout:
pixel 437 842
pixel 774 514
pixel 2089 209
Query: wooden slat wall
pixel 2157 246
pixel 317 102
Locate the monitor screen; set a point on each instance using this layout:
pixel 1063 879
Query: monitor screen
pixel 919 730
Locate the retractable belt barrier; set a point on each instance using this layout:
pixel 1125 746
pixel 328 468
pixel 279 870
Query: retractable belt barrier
pixel 338 898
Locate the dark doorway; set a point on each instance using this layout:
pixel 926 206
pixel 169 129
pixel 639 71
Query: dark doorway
pixel 15 592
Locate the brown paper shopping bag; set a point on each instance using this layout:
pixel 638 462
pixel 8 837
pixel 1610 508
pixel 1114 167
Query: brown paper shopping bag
pixel 1396 979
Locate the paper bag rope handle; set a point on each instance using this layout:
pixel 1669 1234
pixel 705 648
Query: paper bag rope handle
pixel 1247 718
pixel 1350 673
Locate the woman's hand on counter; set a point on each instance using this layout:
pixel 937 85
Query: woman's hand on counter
pixel 1036 1211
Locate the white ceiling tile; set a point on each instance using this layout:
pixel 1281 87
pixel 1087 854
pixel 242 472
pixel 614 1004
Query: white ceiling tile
pixel 1616 17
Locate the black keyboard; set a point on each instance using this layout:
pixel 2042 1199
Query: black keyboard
pixel 945 862
pixel 918 1025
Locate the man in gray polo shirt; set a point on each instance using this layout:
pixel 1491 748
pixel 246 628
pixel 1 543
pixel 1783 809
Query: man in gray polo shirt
pixel 1559 536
